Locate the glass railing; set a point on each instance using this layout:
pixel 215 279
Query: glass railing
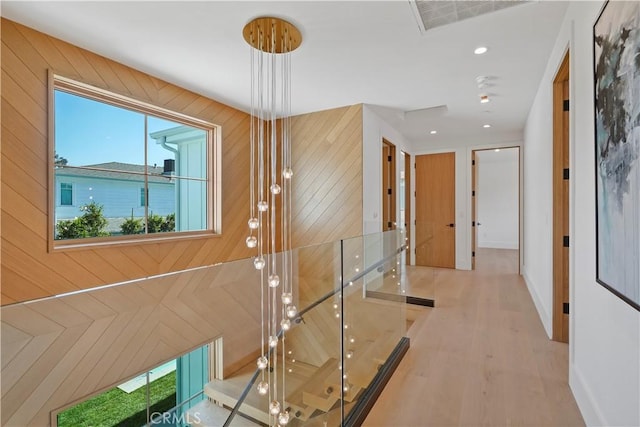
pixel 342 336
pixel 352 315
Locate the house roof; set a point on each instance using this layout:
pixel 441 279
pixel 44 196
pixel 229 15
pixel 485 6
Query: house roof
pixel 116 171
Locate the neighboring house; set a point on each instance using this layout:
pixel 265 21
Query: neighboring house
pixel 118 187
pixel 189 148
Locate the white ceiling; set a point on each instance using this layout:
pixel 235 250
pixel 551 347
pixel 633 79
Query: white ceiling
pixel 352 52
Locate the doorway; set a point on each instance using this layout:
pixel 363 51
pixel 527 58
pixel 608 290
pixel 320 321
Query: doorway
pixel 388 186
pixel 561 190
pixel 435 235
pixel 495 207
pixel 405 202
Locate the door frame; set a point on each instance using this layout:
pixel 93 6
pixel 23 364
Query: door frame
pixel 407 204
pixel 389 202
pixel 561 202
pixel 473 200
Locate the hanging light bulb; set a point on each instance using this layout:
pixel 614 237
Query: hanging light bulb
pixel 283 418
pixel 273 341
pixel 253 223
pixel 291 311
pixel 262 362
pixel 287 298
pixel 274 407
pixel 274 280
pixel 252 242
pixel 275 189
pixel 285 324
pixel 263 206
pixel 287 173
pixel 263 388
pixel 259 263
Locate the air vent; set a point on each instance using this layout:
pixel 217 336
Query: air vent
pixel 437 13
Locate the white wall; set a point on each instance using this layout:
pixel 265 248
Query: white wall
pixel 604 348
pixel 463 152
pixel 497 198
pixel 374 129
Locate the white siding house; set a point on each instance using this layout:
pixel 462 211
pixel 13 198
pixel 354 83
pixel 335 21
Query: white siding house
pixel 118 187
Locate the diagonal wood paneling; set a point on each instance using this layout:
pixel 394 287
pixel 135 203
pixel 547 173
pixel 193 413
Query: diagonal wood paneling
pixel 327 186
pixel 29 270
pixel 58 351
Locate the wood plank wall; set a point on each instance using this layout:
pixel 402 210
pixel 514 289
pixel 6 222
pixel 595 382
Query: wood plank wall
pixel 58 351
pixel 327 186
pixel 55 352
pixel 28 270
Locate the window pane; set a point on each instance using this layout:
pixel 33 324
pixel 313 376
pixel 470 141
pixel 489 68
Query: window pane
pixel 111 179
pixel 185 145
pixel 143 197
pixel 92 133
pixel 66 194
pixel 190 204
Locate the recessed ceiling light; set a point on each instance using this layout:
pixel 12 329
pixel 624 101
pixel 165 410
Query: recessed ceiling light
pixel 484 99
pixel 486 126
pixel 433 132
pixel 480 50
pixel 497 150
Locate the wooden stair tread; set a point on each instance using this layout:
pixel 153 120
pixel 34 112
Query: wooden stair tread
pixel 307 397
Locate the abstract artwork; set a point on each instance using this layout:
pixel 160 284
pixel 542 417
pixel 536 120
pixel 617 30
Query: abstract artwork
pixel 616 37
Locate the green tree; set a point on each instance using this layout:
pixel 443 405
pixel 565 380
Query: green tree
pixel 154 223
pixel 132 225
pixel 94 220
pixel 169 223
pixel 92 223
pixel 59 160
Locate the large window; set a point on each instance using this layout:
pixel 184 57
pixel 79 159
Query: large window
pixel 124 168
pixel 167 395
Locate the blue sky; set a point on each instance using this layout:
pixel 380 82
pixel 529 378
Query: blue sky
pixel 89 132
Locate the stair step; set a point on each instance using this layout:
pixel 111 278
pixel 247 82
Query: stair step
pixel 298 399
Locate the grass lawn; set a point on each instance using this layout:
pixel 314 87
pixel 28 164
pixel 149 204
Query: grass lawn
pixel 117 408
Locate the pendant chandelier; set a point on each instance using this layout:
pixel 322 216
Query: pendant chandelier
pixel 272 40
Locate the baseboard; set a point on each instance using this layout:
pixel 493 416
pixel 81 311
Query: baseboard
pixel 497 245
pixel 587 404
pixel 545 316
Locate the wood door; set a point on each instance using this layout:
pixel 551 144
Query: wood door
pixel 474 208
pixel 388 186
pixel 561 177
pixel 435 210
pixel 407 205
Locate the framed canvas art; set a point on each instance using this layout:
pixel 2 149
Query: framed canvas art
pixel 616 48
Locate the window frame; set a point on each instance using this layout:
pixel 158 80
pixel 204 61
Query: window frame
pixel 214 165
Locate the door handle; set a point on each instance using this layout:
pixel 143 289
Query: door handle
pixel 451 225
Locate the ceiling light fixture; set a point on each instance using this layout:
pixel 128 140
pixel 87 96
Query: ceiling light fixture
pixel 486 126
pixel 433 132
pixel 497 150
pixel 480 50
pixel 272 40
pixel 484 99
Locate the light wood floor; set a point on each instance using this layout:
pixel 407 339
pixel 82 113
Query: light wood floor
pixel 480 358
